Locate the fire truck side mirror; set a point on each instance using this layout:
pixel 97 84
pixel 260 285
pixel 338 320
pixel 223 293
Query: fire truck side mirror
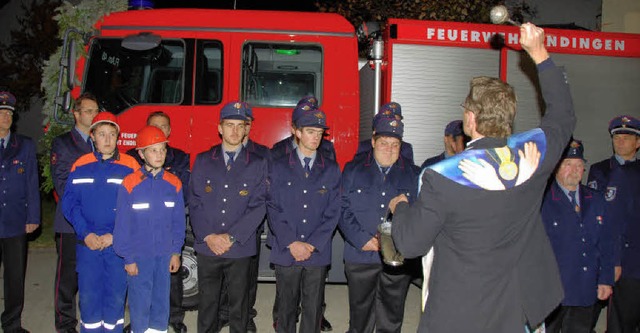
pixel 71 65
pixel 66 104
pixel 368 31
pixel 143 41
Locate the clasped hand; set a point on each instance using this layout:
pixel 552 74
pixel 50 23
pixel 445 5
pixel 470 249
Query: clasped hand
pixel 95 242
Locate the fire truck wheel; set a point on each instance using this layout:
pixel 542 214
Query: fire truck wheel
pixel 189 272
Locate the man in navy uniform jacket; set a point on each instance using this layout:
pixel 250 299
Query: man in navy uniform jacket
pixel 226 203
pixel 625 139
pixel 622 191
pixel 377 291
pixel 580 233
pixel 19 212
pixel 453 143
pixel 394 110
pixel 303 206
pixel 287 145
pixel 493 269
pixel 65 150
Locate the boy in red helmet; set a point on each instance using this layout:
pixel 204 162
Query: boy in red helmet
pixel 89 203
pixel 149 232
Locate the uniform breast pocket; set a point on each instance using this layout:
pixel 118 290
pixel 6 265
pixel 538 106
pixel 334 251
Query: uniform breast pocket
pixel 242 188
pixel 360 198
pixel 142 210
pixel 17 168
pixel 282 189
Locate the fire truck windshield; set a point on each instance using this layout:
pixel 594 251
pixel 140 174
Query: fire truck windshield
pixel 275 74
pixel 122 78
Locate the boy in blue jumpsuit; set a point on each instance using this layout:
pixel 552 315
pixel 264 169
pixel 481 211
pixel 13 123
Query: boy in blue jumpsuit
pixel 377 291
pixel 579 229
pixel 227 203
pixel 89 203
pixel 304 207
pixel 19 211
pixel 176 162
pixel 149 232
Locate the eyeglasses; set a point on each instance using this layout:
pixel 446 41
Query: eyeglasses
pixel 89 111
pixel 6 112
pixel 465 108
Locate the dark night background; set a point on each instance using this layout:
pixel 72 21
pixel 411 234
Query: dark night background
pixel 296 5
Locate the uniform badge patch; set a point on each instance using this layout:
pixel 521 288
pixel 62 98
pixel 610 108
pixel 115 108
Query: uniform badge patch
pixel 610 194
pixel 593 184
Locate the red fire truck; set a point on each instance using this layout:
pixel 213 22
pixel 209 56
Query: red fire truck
pixel 190 62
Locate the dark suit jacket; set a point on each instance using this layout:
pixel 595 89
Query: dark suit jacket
pixel 494 268
pixel 65 150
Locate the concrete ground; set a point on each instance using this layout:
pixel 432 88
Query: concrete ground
pixel 38 313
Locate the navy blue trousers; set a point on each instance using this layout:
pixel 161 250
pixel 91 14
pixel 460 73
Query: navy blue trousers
pixel 102 285
pixel 149 294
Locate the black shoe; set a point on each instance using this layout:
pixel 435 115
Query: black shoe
pixel 222 323
pixel 179 327
pixel 251 326
pixel 16 330
pixel 71 330
pixel 127 329
pixel 325 325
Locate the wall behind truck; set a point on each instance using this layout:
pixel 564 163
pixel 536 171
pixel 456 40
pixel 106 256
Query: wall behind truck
pixel 430 64
pixel 430 82
pixel 602 87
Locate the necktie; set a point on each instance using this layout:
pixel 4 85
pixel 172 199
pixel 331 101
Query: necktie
pixel 384 170
pixel 572 196
pixel 231 155
pixel 307 168
pixel 1 147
